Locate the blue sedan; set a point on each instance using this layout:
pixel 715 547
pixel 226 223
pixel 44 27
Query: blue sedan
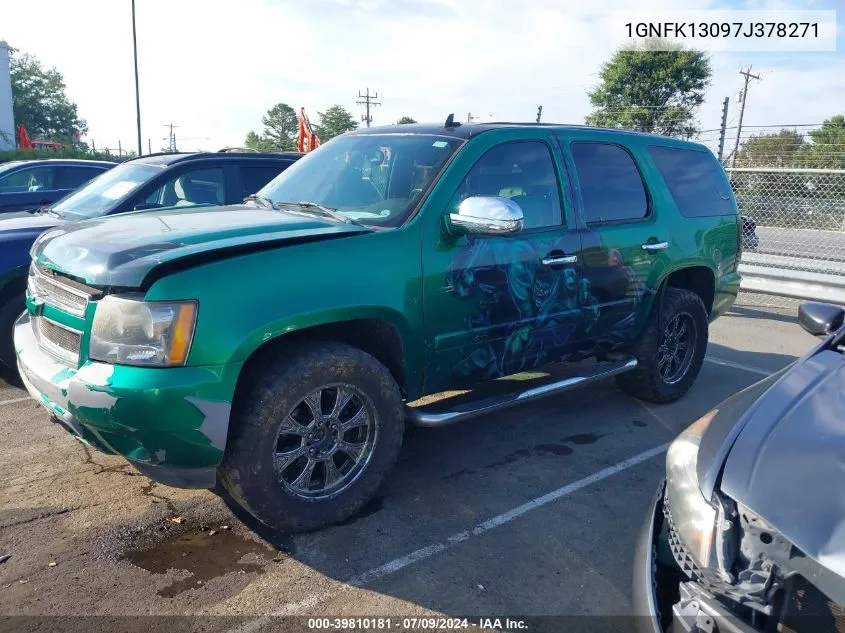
pixel 26 185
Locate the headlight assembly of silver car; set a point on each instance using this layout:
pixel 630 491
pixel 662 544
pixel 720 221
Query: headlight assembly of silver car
pixel 693 516
pixel 130 331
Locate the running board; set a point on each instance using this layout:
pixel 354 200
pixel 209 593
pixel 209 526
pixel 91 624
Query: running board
pixel 419 417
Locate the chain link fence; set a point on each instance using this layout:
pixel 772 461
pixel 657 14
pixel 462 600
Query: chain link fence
pixel 794 235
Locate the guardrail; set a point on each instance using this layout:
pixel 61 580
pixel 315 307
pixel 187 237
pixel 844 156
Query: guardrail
pixel 793 284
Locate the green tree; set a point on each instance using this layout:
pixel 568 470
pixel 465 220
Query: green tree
pixel 40 103
pixel 827 147
pixel 406 119
pixel 280 127
pixel 257 142
pixel 333 122
pixel 779 149
pixel 651 90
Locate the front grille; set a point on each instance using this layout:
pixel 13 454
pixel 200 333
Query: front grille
pixel 51 290
pixel 58 340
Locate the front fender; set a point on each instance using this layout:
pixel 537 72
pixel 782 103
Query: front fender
pixel 12 277
pixel 293 324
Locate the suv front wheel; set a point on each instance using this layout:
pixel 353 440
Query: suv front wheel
pixel 670 350
pixel 317 431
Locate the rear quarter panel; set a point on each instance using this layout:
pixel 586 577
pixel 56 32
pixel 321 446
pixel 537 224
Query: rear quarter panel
pixel 709 241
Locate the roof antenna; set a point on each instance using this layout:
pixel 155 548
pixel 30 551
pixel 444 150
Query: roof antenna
pixel 450 121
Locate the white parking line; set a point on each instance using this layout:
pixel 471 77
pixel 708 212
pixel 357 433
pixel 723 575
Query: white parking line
pixel 729 363
pixel 436 548
pixel 14 400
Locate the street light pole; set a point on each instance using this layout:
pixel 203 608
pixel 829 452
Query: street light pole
pixel 137 95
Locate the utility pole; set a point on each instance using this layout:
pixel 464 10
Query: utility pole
pixel 149 146
pixel 368 100
pixel 747 74
pixel 171 137
pixel 723 128
pixel 137 95
pixel 470 118
pixel 539 113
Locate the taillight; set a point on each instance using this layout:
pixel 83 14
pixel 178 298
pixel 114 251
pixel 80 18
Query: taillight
pixel 740 235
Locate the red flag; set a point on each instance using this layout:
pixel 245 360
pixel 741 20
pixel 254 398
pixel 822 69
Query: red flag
pixel 23 138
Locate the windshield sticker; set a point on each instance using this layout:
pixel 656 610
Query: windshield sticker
pixel 119 189
pixel 439 144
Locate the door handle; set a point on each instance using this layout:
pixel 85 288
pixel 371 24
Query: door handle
pixel 559 259
pixel 655 246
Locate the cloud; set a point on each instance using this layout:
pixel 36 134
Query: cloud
pixel 214 67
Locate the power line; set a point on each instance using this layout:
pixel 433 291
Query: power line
pixel 368 100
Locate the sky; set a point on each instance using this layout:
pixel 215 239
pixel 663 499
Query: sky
pixel 214 67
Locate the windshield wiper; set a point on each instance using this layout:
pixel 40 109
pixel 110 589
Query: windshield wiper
pixel 261 201
pixel 321 210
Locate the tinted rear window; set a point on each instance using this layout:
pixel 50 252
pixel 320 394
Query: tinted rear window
pixel 695 181
pixel 611 187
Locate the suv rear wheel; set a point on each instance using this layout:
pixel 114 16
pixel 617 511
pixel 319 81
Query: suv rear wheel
pixel 671 349
pixel 316 434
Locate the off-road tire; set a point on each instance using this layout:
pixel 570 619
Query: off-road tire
pixel 645 382
pixel 10 310
pixel 274 385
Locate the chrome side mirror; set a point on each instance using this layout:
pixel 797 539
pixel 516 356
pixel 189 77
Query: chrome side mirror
pixel 820 319
pixel 487 215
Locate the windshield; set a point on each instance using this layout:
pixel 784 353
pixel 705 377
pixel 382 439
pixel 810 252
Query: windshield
pixel 374 179
pixel 99 196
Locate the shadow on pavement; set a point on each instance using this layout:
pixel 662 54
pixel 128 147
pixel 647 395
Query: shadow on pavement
pixel 760 313
pixel 767 361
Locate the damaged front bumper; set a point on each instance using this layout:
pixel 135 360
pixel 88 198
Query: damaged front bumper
pixel 663 594
pixel 170 423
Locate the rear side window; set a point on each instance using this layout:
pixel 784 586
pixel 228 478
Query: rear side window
pixel 695 181
pixel 255 177
pixel 611 187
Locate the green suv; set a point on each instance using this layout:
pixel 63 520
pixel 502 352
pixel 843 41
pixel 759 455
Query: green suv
pixel 275 345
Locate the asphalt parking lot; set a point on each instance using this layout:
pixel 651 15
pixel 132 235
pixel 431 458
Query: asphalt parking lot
pixel 529 512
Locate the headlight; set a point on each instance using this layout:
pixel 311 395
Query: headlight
pixel 130 331
pixel 693 516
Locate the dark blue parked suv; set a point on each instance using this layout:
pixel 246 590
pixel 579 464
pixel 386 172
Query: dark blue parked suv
pixel 29 184
pixel 150 182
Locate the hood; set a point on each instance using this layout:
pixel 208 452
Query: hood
pixel 122 250
pixel 24 222
pixel 787 463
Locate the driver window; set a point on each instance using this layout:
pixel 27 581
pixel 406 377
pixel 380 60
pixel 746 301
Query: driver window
pixel 199 186
pixel 36 179
pixel 522 171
